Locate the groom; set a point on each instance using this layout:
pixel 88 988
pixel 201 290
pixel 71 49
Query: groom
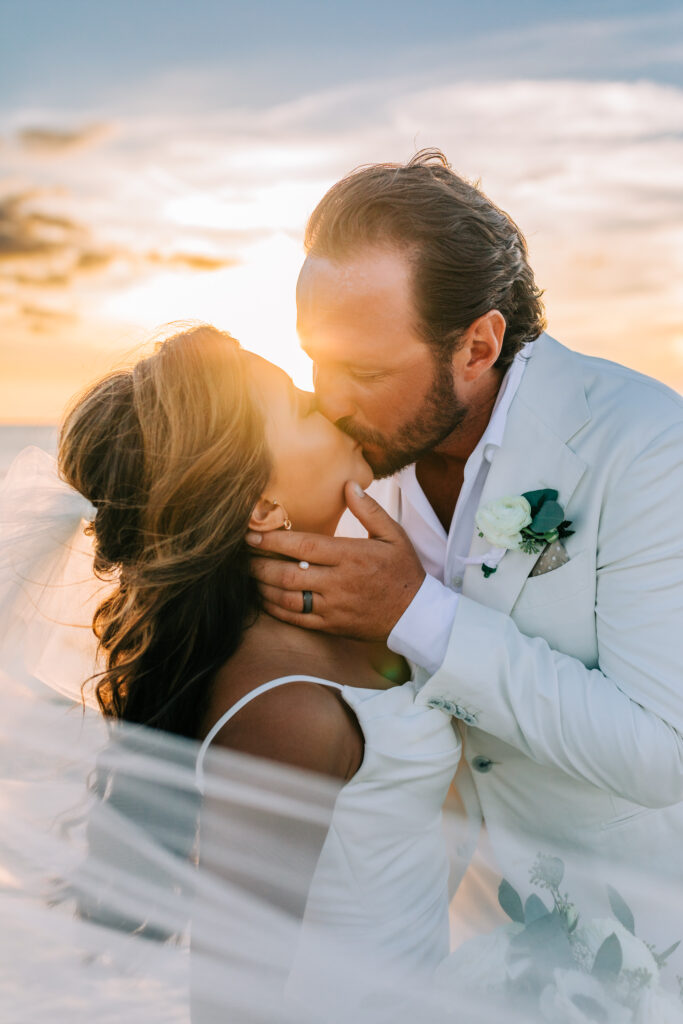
pixel 559 649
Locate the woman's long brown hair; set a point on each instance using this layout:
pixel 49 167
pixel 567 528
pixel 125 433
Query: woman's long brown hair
pixel 173 455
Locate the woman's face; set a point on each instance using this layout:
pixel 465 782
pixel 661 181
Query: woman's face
pixel 312 459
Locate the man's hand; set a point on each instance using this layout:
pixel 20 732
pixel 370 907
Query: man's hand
pixel 360 588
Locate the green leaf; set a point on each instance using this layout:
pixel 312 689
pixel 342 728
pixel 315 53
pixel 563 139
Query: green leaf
pixel 536 498
pixel 548 517
pixel 621 910
pixel 608 959
pixel 534 908
pixel 661 958
pixel 510 902
pixel 546 941
pixel 488 571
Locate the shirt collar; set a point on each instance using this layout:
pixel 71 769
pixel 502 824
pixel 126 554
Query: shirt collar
pixel 492 438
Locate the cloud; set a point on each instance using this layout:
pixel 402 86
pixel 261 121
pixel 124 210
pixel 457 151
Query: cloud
pixel 591 170
pixel 57 141
pixel 191 260
pixel 25 232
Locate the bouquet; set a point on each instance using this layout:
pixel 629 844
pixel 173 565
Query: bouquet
pixel 556 967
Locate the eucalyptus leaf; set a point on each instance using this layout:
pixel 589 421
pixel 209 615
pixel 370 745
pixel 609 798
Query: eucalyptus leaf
pixel 608 959
pixel 510 901
pixel 536 498
pixel 661 958
pixel 545 939
pixel 621 910
pixel 548 517
pixel 534 908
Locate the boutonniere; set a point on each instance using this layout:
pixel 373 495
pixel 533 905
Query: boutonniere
pixel 526 522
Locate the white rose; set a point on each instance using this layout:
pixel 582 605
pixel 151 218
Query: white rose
pixel 571 992
pixel 636 956
pixel 659 1006
pixel 501 521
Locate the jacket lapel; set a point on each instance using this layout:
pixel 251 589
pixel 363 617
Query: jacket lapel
pixel 549 408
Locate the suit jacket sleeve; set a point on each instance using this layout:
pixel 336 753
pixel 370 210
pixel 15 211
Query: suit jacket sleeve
pixel 618 726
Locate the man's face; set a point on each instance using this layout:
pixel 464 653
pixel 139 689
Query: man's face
pixel 374 375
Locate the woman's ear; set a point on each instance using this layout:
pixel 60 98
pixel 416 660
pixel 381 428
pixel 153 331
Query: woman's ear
pixel 267 516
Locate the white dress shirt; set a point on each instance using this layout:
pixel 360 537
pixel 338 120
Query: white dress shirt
pixel 423 631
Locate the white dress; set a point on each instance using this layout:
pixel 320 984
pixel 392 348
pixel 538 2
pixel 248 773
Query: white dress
pixel 380 888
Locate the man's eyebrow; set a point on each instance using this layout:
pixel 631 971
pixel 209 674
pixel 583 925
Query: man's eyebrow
pixel 349 364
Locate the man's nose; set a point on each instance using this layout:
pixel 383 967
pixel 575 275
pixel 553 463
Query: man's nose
pixel 332 398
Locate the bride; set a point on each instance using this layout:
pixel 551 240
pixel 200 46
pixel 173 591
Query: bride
pixel 180 457
pixel 279 789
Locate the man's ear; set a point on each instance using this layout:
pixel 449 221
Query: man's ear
pixel 480 346
pixel 267 516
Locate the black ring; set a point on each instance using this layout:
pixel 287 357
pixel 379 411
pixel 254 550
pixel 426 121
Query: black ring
pixel 308 601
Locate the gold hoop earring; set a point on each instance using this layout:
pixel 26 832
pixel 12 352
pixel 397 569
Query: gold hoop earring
pixel 287 525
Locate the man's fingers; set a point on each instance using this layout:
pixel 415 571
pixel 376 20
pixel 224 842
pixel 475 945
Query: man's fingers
pixel 287 575
pixel 290 600
pixel 307 547
pixel 310 621
pixel 376 521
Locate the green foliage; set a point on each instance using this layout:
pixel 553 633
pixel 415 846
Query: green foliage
pixel 661 958
pixel 510 902
pixel 548 517
pixel 547 871
pixel 534 908
pixel 536 498
pixel 547 940
pixel 608 959
pixel 621 910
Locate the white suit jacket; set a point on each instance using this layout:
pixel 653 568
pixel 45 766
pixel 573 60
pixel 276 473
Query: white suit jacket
pixel 573 680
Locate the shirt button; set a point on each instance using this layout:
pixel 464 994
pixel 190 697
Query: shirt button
pixel 458 582
pixel 482 764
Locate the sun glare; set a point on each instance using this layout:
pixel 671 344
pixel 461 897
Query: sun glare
pixel 253 300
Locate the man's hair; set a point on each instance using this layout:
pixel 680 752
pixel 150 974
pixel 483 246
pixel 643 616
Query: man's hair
pixel 468 255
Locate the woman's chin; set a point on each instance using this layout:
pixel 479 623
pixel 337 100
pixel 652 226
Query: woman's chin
pixel 364 475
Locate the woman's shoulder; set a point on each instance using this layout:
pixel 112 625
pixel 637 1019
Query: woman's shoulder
pixel 302 723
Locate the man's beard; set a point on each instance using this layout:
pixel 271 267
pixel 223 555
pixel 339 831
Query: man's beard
pixel 441 414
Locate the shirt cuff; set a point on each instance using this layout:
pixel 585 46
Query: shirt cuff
pixel 422 633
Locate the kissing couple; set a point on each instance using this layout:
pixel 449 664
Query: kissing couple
pixel 463 553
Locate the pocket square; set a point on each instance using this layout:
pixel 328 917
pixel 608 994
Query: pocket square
pixel 552 557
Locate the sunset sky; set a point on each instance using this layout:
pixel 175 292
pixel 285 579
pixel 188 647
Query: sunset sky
pixel 159 159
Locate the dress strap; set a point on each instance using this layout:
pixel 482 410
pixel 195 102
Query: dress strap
pixel 215 729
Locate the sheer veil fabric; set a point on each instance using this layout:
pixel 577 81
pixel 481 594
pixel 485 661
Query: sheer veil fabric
pixel 126 894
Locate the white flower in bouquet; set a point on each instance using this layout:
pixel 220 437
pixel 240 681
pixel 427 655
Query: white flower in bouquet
pixel 502 520
pixel 658 1007
pixel 479 963
pixel 577 998
pixel 589 937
